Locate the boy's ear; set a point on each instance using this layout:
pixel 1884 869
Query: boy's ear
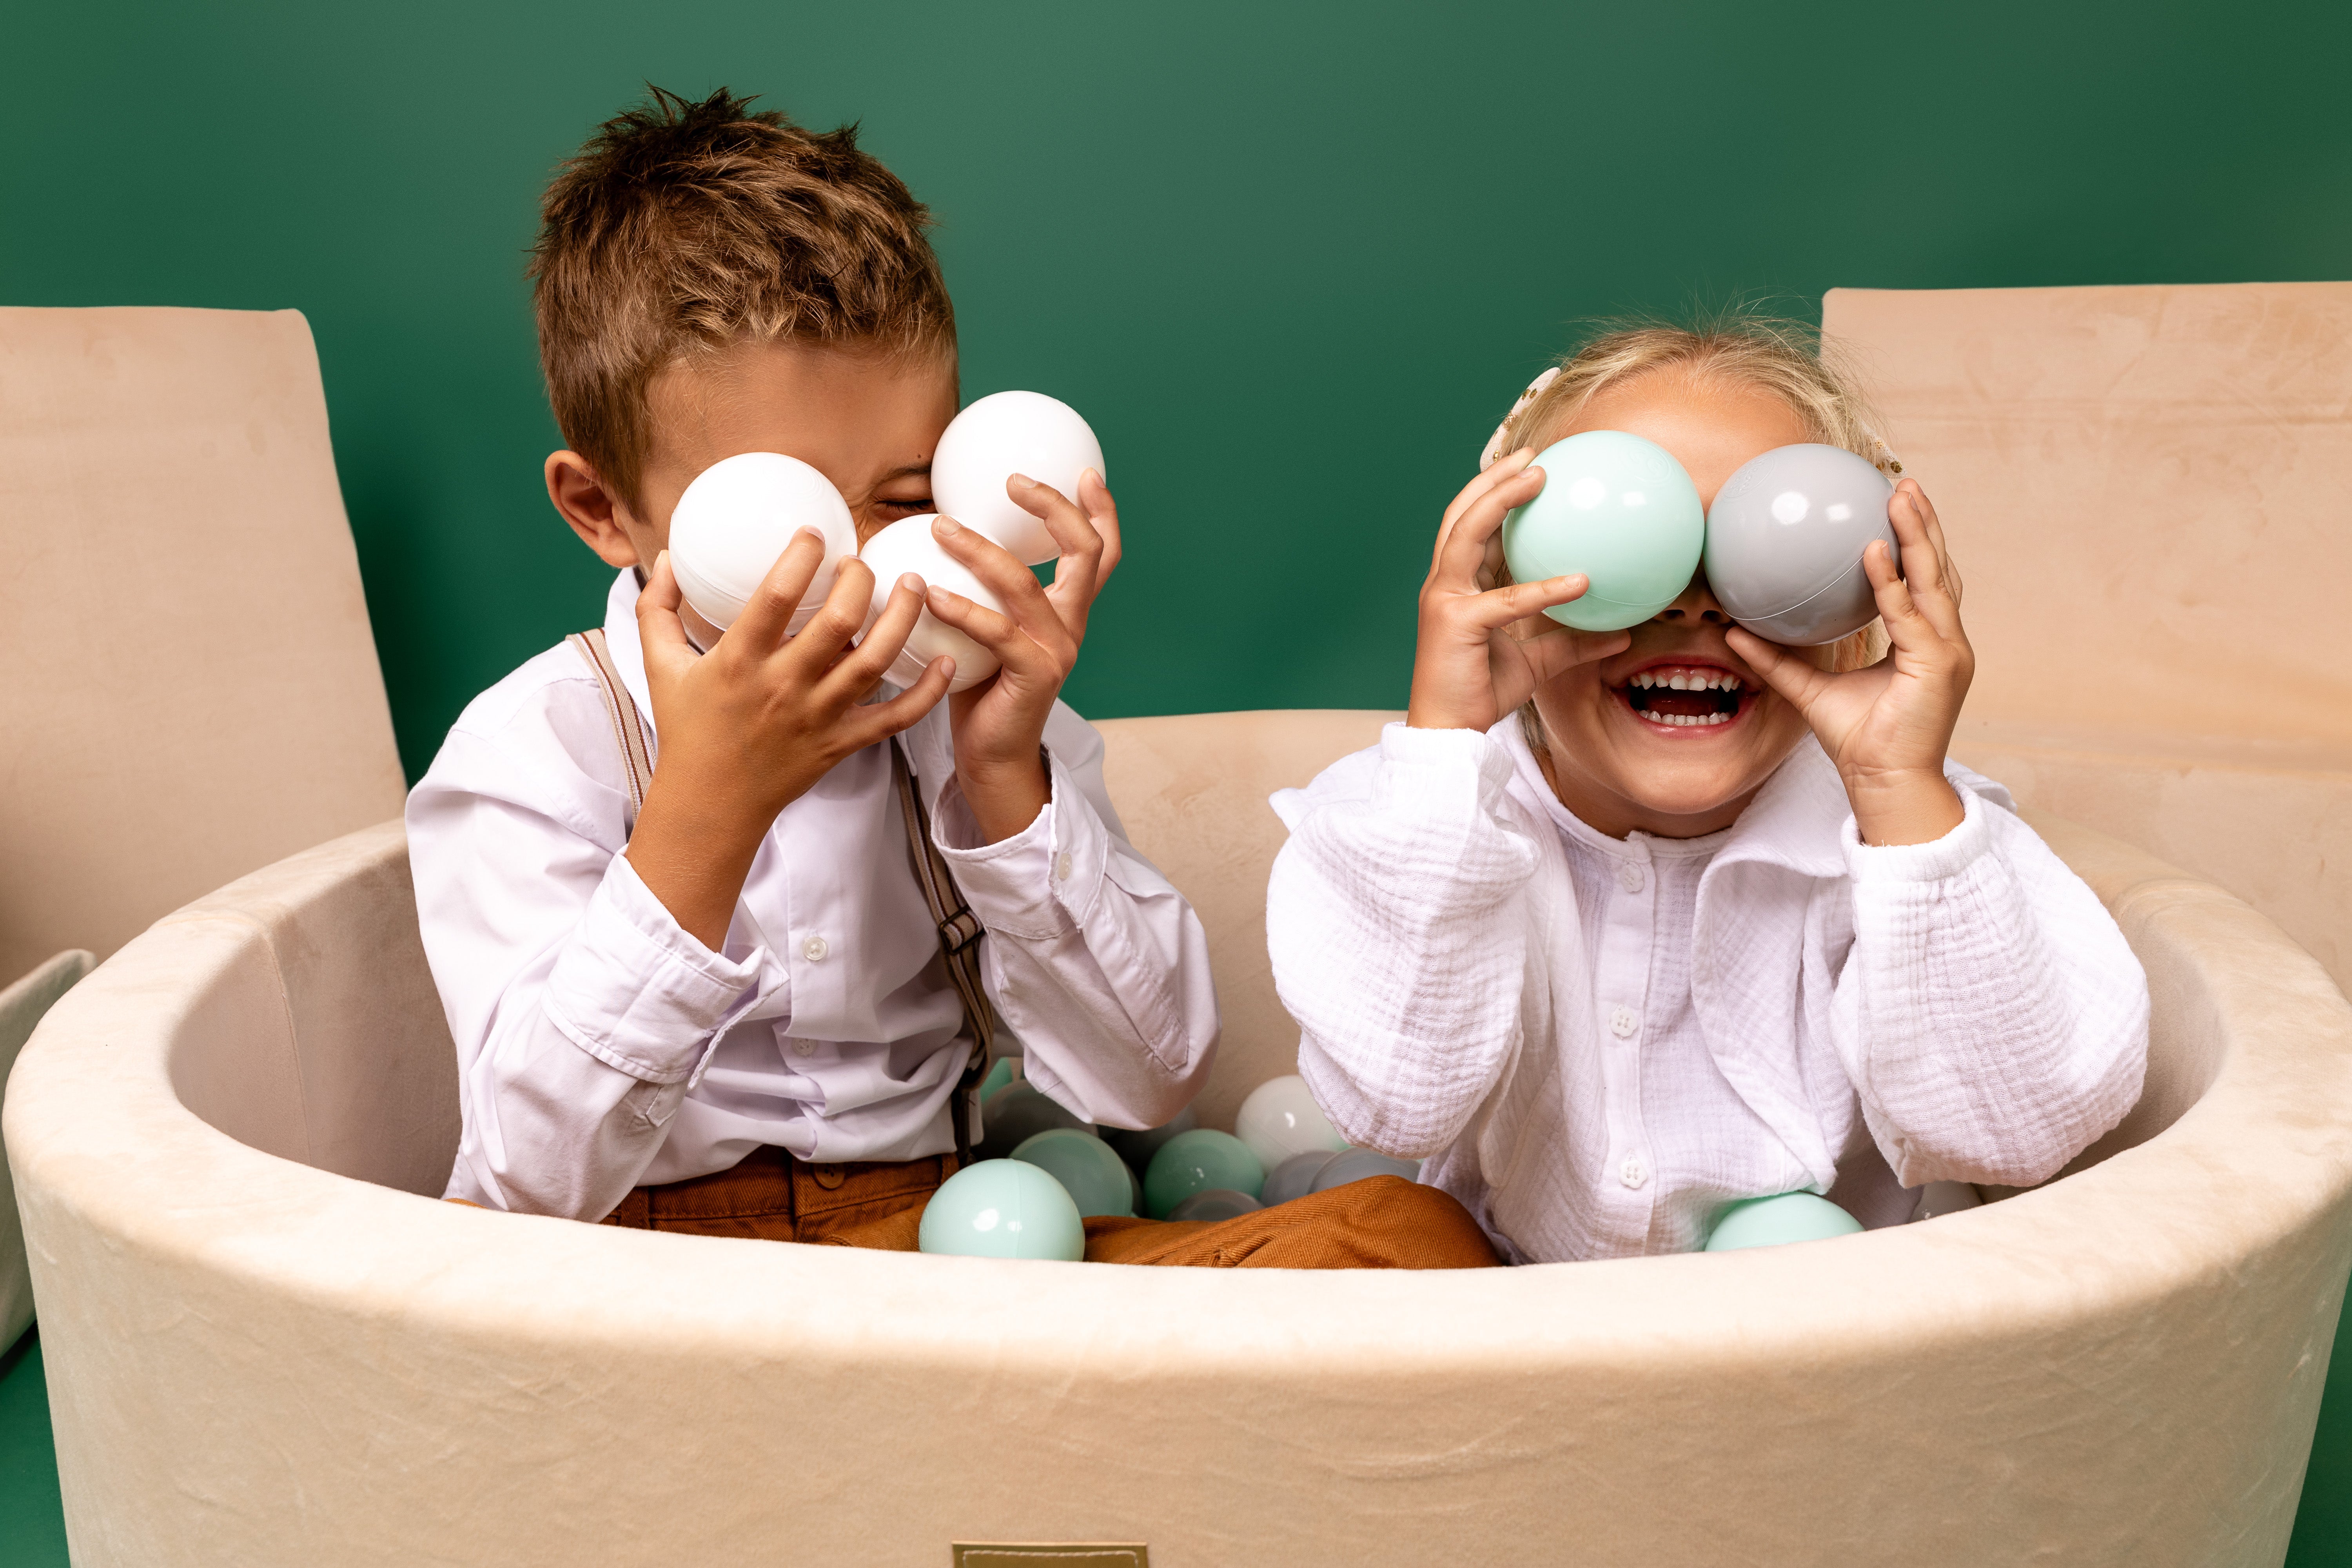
pixel 598 518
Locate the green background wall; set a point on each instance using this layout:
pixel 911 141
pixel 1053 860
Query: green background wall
pixel 1292 260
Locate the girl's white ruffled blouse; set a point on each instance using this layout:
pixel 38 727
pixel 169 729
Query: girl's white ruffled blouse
pixel 1598 1044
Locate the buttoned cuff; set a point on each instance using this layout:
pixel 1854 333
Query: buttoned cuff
pixel 1039 883
pixel 1933 861
pixel 634 991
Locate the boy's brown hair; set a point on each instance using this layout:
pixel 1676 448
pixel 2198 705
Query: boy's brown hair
pixel 682 228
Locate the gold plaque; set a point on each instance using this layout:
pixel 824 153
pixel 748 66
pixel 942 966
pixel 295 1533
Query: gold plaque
pixel 1051 1554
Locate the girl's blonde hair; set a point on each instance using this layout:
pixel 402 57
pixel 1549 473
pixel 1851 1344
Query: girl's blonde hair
pixel 1781 357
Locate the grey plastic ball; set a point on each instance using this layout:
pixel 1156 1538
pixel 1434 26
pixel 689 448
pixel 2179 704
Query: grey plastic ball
pixel 1216 1203
pixel 1294 1177
pixel 1784 542
pixel 1016 1113
pixel 1360 1164
pixel 1137 1148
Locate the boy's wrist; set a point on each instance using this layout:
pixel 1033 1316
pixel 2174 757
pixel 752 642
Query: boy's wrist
pixel 1005 798
pixel 693 852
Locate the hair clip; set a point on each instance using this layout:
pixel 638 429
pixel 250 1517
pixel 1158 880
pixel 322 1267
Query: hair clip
pixel 1883 456
pixel 1495 442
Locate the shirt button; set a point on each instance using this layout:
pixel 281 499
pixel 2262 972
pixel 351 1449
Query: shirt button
pixel 804 1048
pixel 814 948
pixel 1633 1173
pixel 1061 867
pixel 1623 1022
pixel 1629 876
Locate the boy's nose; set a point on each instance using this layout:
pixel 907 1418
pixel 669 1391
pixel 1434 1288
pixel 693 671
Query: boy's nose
pixel 1695 606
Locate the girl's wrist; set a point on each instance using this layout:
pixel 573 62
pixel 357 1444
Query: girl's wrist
pixel 1899 806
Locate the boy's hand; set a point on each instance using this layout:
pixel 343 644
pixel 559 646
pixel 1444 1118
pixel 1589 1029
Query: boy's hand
pixel 1483 649
pixel 1888 727
pixel 747 728
pixel 1000 724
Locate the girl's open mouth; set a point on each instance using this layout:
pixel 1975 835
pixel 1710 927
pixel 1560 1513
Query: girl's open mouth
pixel 1686 696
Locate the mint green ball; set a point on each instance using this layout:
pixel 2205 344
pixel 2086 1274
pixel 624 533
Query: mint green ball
pixel 1621 510
pixel 1002 1208
pixel 1196 1162
pixel 1777 1220
pixel 1000 1073
pixel 1090 1170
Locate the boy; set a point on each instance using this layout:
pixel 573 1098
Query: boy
pixel 727 1012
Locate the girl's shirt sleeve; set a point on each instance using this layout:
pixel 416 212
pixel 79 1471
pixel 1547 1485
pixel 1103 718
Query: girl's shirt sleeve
pixel 1990 1015
pixel 1397 924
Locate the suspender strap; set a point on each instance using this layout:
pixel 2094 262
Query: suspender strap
pixel 960 933
pixel 621 710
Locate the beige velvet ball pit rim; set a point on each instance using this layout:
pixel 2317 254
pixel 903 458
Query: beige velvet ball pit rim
pixel 262 1351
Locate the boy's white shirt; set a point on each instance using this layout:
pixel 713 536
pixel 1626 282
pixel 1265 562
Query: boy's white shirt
pixel 601 1046
pixel 1963 1010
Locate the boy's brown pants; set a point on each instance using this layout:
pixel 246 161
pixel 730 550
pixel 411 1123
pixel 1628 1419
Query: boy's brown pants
pixel 1384 1222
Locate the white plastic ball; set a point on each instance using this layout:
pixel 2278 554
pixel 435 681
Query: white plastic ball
pixel 738 516
pixel 1280 1119
pixel 904 546
pixel 1002 435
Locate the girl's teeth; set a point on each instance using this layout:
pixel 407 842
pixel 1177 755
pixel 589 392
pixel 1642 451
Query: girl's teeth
pixel 1688 680
pixel 1684 721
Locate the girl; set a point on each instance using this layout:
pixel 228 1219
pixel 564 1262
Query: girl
pixel 1611 972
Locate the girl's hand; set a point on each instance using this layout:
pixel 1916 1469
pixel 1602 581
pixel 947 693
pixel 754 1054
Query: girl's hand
pixel 1483 649
pixel 1000 724
pixel 1888 727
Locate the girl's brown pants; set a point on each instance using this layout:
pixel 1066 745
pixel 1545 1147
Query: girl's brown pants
pixel 1384 1222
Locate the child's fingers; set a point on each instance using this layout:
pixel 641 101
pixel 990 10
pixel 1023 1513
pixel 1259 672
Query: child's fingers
pixel 764 620
pixel 1026 606
pixel 1077 571
pixel 1463 547
pixel 1094 498
pixel 879 721
pixel 1498 608
pixel 1910 632
pixel 1935 526
pixel 1800 682
pixel 1924 565
pixel 878 648
pixel 836 623
pixel 660 632
pixel 1504 468
pixel 1014 647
